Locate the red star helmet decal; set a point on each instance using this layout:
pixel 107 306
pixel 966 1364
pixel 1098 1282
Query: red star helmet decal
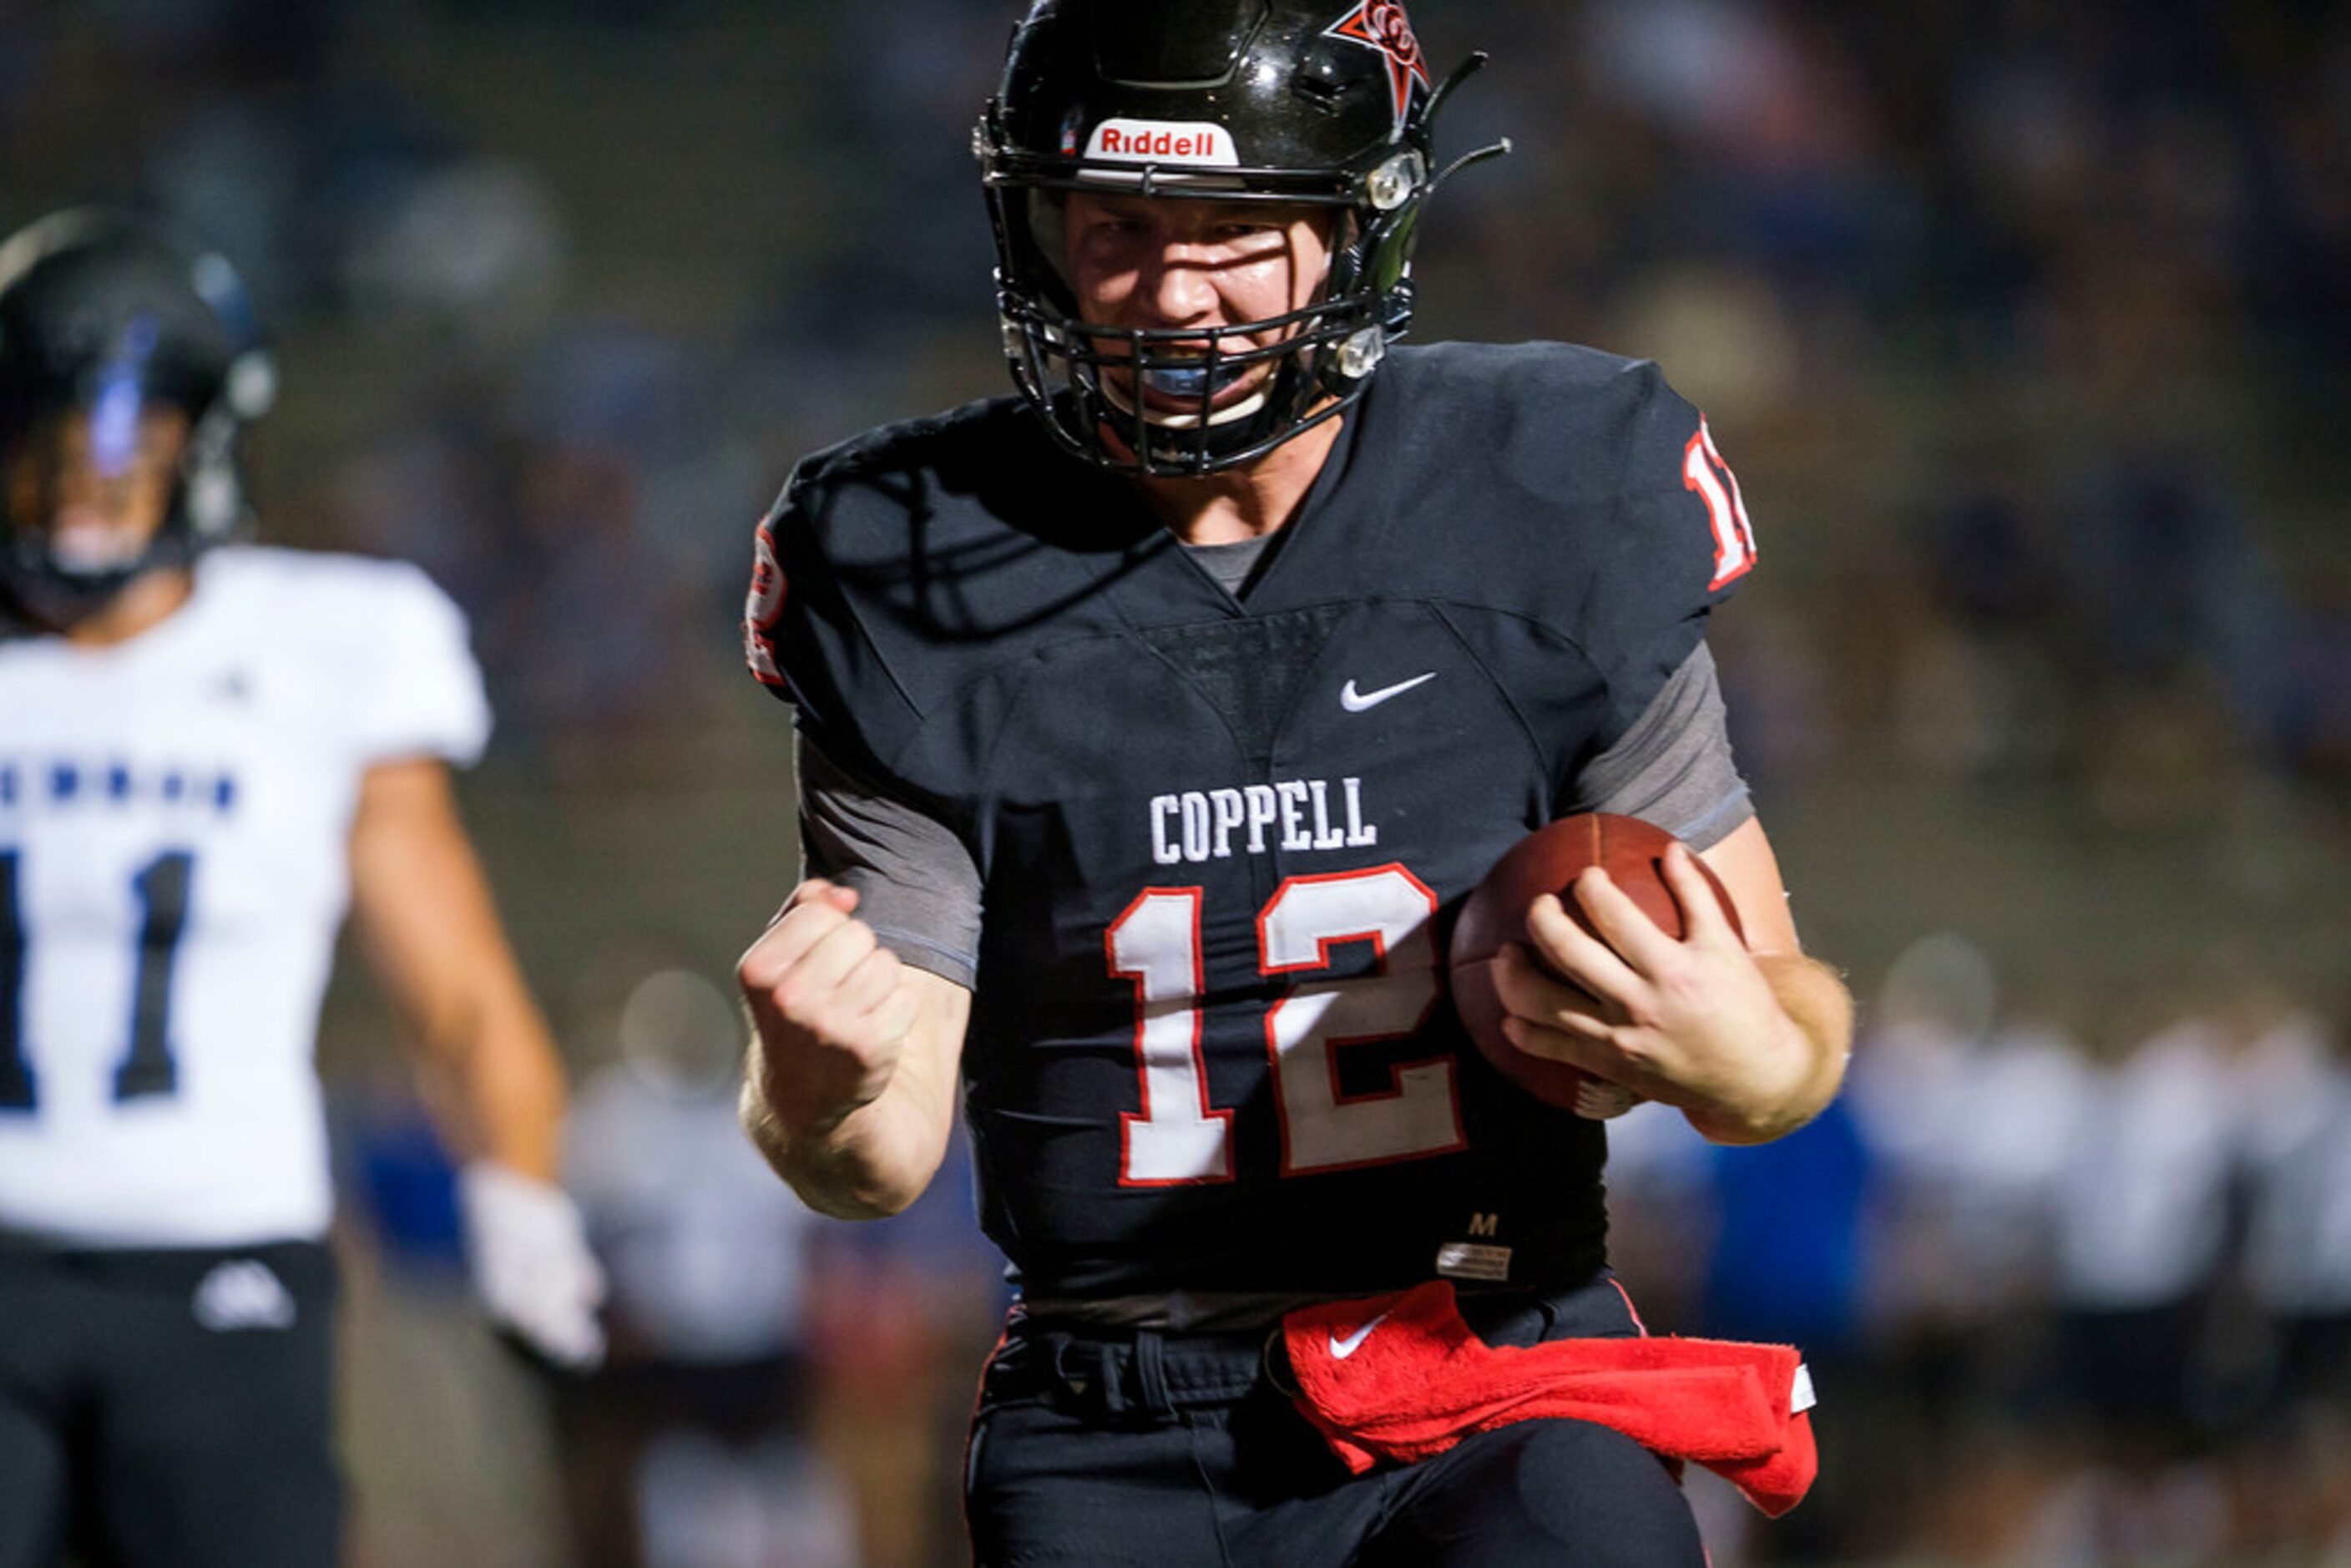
pixel 1382 25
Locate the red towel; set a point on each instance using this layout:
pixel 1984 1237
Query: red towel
pixel 1402 1377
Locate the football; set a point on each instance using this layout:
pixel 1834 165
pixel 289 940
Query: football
pixel 1494 916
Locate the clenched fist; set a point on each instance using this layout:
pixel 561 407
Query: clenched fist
pixel 833 1006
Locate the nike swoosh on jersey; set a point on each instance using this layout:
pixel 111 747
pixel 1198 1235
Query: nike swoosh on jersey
pixel 1354 701
pixel 1341 1349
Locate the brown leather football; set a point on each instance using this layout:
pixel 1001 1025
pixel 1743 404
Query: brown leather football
pixel 1495 914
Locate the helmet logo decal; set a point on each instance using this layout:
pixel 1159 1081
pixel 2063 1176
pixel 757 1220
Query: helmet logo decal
pixel 1203 143
pixel 1382 25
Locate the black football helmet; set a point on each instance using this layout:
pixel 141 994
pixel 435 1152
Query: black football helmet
pixel 1325 103
pixel 104 314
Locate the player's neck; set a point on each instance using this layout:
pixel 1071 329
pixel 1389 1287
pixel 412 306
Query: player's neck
pixel 1247 502
pixel 145 602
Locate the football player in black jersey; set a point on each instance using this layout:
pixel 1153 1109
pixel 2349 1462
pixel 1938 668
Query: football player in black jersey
pixel 1150 723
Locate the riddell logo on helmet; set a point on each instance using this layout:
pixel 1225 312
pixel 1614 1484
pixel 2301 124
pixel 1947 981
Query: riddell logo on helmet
pixel 1163 141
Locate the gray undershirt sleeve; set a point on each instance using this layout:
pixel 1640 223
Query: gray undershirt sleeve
pixel 920 890
pixel 916 884
pixel 1674 767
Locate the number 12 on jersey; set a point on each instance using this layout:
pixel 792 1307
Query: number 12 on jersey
pixel 1178 1137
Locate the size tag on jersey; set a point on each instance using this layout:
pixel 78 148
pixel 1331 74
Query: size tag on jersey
pixel 1469 1261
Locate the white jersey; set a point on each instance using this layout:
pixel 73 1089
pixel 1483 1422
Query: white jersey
pixel 174 863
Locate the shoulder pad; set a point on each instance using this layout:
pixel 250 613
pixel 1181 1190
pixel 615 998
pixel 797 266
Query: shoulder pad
pixel 382 634
pixel 899 569
pixel 1603 508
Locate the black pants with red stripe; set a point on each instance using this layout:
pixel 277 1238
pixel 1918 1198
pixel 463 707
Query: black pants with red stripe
pixel 1166 1451
pixel 168 1408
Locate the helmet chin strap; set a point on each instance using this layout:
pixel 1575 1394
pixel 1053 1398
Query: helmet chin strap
pixel 60 601
pixel 59 597
pixel 55 602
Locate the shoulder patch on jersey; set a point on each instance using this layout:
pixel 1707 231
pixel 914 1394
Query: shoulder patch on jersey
pixel 763 606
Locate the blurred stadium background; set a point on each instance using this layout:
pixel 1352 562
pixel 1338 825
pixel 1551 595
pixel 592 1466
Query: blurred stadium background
pixel 2028 327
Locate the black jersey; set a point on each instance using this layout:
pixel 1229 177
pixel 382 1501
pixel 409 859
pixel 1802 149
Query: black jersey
pixel 1218 838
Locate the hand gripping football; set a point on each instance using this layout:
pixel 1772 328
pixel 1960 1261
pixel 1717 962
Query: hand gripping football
pixel 1494 914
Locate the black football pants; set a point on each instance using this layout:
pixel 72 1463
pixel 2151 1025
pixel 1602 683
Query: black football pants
pixel 168 1409
pixel 1167 1451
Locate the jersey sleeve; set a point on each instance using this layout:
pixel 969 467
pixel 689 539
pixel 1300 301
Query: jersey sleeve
pixel 917 885
pixel 412 687
pixel 803 637
pixel 1677 542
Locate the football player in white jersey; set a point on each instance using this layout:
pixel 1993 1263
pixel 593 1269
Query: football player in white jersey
pixel 207 751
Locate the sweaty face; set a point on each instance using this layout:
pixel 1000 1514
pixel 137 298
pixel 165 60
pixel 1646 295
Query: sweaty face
pixel 96 483
pixel 1195 268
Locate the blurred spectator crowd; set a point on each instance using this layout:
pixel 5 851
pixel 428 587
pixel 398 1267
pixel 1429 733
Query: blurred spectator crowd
pixel 2027 325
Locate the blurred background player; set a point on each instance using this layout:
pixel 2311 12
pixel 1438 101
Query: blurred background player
pixel 690 1448
pixel 1148 720
pixel 207 750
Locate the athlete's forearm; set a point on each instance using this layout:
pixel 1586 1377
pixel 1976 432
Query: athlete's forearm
pixel 499 1084
pixel 873 1160
pixel 430 928
pixel 1799 1073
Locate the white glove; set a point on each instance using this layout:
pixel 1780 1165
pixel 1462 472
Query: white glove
pixel 531 1266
